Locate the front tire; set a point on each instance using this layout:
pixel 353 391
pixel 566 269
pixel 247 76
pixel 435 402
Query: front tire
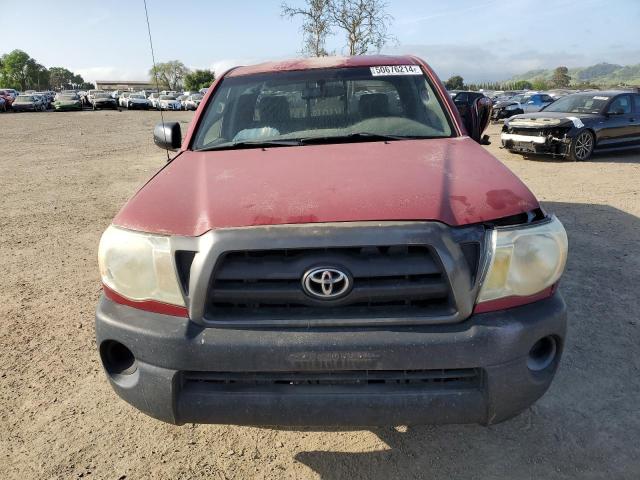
pixel 581 147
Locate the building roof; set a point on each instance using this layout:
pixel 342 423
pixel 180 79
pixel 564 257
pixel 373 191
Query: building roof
pixel 323 62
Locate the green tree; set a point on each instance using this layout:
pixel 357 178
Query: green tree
pixel 522 85
pixel 169 74
pixel 60 77
pixel 18 69
pixel 540 84
pixel 561 78
pixel 455 83
pixel 39 77
pixel 198 79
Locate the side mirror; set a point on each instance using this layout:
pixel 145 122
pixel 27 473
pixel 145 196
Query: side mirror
pixel 168 135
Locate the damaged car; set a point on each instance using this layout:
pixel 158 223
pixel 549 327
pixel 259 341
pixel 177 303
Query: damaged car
pixel 576 126
pixel 523 103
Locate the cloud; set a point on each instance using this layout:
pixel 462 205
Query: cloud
pixel 221 66
pixel 91 74
pixel 479 64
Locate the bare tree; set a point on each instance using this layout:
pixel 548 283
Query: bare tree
pixel 315 27
pixel 365 22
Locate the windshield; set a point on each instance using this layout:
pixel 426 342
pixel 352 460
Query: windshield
pixel 323 103
pixel 102 95
pixel 196 97
pixel 24 98
pixel 580 103
pixel 137 96
pixel 68 97
pixel 167 97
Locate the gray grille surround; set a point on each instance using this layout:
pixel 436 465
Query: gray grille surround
pixel 445 242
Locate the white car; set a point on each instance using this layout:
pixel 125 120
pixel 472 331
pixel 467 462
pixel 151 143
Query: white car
pixel 169 102
pixel 137 100
pixel 182 98
pixel 153 99
pixel 122 98
pixel 193 101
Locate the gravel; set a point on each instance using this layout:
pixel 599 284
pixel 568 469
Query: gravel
pixel 63 176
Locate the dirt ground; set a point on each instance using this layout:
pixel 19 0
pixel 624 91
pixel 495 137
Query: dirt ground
pixel 63 176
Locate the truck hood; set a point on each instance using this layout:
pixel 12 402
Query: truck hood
pixel 452 180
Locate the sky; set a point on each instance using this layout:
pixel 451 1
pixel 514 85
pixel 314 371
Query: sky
pixel 482 40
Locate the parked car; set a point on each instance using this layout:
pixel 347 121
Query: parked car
pixel 10 91
pixel 523 103
pixel 182 99
pixel 137 101
pixel 103 100
pixel 193 101
pixel 122 99
pixel 577 125
pixel 88 99
pixel 8 99
pixel 29 103
pixel 47 98
pixel 169 102
pixel 67 101
pixel 334 265
pixel 153 99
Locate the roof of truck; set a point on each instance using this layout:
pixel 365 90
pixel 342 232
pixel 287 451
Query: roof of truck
pixel 323 62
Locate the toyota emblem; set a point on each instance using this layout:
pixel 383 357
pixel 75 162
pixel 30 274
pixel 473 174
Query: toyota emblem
pixel 326 283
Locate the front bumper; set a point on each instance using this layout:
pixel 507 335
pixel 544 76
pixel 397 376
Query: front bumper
pixel 62 108
pixel 170 350
pixel 546 145
pixel 99 105
pixel 25 108
pixel 138 106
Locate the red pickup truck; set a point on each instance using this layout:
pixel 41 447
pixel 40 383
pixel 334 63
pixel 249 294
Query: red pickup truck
pixel 330 247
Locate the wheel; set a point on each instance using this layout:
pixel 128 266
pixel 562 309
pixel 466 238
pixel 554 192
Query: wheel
pixel 43 108
pixel 581 146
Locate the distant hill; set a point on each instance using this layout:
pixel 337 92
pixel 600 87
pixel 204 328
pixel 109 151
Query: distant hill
pixel 605 74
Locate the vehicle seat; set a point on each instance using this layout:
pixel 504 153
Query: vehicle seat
pixel 274 112
pixel 245 112
pixel 373 105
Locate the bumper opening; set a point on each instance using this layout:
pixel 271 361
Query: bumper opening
pixel 544 354
pixel 117 359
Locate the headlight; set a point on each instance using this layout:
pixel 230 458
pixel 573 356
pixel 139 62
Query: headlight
pixel 525 260
pixel 511 107
pixel 139 266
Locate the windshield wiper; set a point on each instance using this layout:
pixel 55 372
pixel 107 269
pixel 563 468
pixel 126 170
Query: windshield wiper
pixel 357 136
pixel 252 144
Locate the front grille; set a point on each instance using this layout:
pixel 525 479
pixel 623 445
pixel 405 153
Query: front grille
pixel 383 379
pixel 388 281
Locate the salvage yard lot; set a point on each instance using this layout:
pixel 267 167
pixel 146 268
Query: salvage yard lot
pixel 63 176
